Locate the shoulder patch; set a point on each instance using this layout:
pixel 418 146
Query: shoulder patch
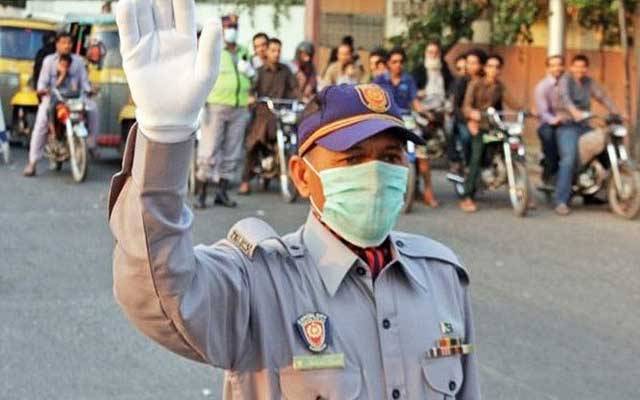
pixel 417 246
pixel 250 233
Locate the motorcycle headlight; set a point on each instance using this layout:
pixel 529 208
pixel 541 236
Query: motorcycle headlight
pixel 515 130
pixel 289 117
pixel 409 123
pixel 620 131
pixel 75 105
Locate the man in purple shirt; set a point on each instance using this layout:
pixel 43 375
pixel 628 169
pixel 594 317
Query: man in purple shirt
pixel 549 108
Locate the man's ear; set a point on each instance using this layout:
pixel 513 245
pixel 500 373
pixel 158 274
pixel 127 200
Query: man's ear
pixel 298 173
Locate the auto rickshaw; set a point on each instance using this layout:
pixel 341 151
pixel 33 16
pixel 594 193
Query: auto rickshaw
pixel 96 38
pixel 20 40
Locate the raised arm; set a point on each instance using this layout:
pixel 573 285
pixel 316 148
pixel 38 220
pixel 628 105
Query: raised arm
pixel 194 302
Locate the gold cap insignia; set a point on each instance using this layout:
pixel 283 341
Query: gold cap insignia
pixel 374 97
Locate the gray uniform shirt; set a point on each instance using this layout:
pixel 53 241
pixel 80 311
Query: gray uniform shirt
pixel 234 304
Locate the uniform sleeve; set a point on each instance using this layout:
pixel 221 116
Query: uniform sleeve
pixel 44 74
pixel 195 302
pixel 471 385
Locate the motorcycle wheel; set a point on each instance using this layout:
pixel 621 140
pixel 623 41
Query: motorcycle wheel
pixel 410 195
pixel 626 205
pixel 79 161
pixel 519 195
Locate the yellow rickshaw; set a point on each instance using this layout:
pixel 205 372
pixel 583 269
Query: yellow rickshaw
pixel 96 38
pixel 20 40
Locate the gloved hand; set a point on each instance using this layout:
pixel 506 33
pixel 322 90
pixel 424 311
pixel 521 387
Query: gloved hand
pixel 169 75
pixel 245 68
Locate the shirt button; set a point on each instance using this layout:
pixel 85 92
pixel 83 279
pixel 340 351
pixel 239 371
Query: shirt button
pixel 399 243
pixel 361 271
pixel 395 394
pixel 386 324
pixel 452 386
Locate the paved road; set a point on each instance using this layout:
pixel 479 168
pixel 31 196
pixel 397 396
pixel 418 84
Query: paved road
pixel 556 301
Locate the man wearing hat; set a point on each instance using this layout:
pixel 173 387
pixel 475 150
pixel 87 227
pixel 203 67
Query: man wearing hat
pixel 343 308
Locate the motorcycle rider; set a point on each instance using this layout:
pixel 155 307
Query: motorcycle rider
pixel 474 68
pixel 46 81
pixel 481 94
pixel 461 66
pixel 402 87
pixel 547 96
pixel 224 119
pixel 305 71
pixel 274 80
pixel 377 63
pixel 576 91
pixel 260 41
pixel 345 56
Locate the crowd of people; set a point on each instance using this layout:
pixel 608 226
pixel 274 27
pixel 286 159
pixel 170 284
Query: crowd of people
pixel 235 126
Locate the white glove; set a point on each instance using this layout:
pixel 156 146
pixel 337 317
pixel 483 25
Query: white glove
pixel 245 68
pixel 169 76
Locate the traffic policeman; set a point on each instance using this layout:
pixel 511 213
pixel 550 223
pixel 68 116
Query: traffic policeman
pixel 343 308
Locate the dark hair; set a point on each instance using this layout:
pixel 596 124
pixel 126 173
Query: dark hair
pixel 65 58
pixel 348 40
pixel 496 57
pixel 580 57
pixel 553 57
pixel 461 57
pixel 274 40
pixel 397 50
pixel 480 54
pixel 62 34
pixel 379 52
pixel 260 35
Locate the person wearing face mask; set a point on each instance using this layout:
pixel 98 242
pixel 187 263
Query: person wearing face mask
pixel 297 316
pixel 224 120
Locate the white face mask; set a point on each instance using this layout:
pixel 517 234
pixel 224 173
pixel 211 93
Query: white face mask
pixel 230 35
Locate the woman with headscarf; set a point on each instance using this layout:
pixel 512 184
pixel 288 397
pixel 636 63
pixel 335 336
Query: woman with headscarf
pixel 306 71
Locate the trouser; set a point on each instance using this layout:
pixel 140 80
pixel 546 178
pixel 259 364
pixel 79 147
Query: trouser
pixel 252 158
pixel 3 127
pixel 547 135
pixel 567 136
pixel 475 165
pixel 220 148
pixel 464 137
pixel 41 127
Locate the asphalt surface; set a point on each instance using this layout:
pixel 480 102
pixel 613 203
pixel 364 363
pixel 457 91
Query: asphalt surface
pixel 556 300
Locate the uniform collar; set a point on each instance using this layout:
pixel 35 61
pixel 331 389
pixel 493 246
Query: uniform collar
pixel 332 257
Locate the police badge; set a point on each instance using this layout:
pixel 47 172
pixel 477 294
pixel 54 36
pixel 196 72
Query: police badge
pixel 313 329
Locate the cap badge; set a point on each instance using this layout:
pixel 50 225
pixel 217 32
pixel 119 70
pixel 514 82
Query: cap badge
pixel 374 97
pixel 313 330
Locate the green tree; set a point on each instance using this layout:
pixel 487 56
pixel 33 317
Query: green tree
pixel 451 21
pixel 601 16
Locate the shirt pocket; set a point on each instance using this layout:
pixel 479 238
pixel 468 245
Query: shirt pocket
pixel 324 384
pixel 443 377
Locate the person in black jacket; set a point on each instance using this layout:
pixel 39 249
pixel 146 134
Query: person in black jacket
pixel 433 75
pixel 48 47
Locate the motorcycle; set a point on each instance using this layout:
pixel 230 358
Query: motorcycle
pixel 503 161
pixel 605 165
pixel 274 157
pixel 69 141
pixel 432 121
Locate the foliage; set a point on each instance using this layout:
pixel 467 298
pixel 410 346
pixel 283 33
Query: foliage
pixel 451 20
pixel 600 15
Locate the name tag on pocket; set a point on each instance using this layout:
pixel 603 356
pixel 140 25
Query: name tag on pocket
pixel 320 361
